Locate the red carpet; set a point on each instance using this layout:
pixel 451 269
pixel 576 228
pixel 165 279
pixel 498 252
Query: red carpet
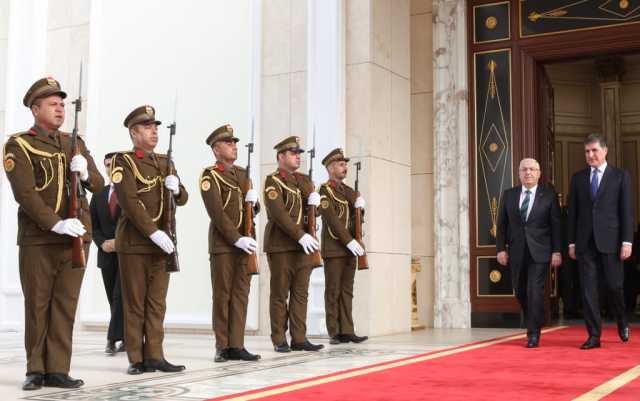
pixel 493 370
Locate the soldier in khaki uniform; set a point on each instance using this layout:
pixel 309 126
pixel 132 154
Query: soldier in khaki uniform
pixel 225 188
pixel 140 178
pixel 287 195
pixel 339 248
pixel 38 163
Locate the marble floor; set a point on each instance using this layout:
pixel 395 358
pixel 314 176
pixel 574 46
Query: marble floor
pixel 105 377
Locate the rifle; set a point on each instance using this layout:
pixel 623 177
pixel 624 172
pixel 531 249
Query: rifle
pixel 169 221
pixel 363 264
pixel 316 259
pixel 252 262
pixel 77 192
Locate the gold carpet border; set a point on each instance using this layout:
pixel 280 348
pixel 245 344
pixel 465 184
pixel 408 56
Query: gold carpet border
pixel 374 369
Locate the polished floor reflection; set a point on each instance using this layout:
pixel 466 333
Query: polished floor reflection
pixel 106 379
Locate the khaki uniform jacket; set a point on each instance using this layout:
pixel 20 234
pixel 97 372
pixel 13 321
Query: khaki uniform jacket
pixel 285 197
pixel 37 165
pixel 223 190
pixel 337 211
pixel 138 178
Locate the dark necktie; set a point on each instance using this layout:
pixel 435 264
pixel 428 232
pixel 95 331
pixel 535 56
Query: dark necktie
pixel 113 204
pixel 525 205
pixel 594 183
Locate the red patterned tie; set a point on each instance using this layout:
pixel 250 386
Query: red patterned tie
pixel 113 204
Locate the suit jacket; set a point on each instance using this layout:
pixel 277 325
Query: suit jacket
pixel 104 226
pixel 609 217
pixel 541 232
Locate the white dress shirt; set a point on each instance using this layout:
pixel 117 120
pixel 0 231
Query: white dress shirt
pixel 532 196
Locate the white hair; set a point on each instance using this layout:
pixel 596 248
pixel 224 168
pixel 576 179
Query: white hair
pixel 529 159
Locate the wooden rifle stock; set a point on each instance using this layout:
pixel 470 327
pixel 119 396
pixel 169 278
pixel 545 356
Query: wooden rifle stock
pixel 252 260
pixel 316 259
pixel 169 212
pixel 363 264
pixel 78 257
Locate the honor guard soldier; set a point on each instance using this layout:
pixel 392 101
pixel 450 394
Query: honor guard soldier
pixel 338 202
pixel 225 188
pixel 287 194
pixel 38 163
pixel 140 178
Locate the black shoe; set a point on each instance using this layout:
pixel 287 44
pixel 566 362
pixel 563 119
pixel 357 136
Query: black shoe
pixel 306 346
pixel 337 339
pixel 534 341
pixel 151 365
pixel 61 380
pixel 135 368
pixel 237 354
pixel 284 347
pixel 592 342
pixel 121 347
pixel 33 381
pixel 624 332
pixel 354 339
pixel 221 355
pixel 110 349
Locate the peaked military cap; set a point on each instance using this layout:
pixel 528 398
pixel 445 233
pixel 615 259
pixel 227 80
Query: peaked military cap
pixel 141 115
pixel 42 88
pixel 335 155
pixel 291 143
pixel 221 133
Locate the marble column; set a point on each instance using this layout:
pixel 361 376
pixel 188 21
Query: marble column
pixel 451 176
pixel 378 121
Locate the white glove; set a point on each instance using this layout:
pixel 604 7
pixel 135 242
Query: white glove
pixel 314 199
pixel 173 184
pixel 251 196
pixel 71 227
pixel 309 244
pixel 355 248
pixel 247 244
pixel 79 165
pixel 359 204
pixel 161 239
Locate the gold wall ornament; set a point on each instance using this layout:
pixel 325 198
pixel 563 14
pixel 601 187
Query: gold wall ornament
pixel 494 216
pixel 491 22
pixel 495 276
pixel 493 87
pixel 624 4
pixel 493 147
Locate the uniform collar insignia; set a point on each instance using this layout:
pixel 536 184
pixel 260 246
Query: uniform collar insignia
pixel 220 167
pixel 283 173
pixel 139 153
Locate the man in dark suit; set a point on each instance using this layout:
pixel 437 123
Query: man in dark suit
pixel 601 224
pixel 528 240
pixel 104 217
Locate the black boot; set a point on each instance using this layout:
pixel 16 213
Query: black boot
pixel 135 368
pixel 337 339
pixel 110 349
pixel 237 354
pixel 284 347
pixel 33 381
pixel 61 380
pixel 354 339
pixel 151 365
pixel 221 355
pixel 306 346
